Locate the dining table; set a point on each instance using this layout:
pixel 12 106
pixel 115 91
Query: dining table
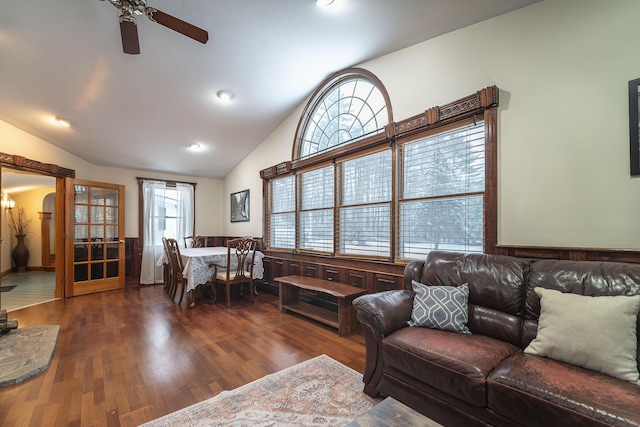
pixel 198 263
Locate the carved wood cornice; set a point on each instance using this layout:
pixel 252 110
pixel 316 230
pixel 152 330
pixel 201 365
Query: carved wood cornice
pixel 279 169
pixel 435 116
pixel 29 165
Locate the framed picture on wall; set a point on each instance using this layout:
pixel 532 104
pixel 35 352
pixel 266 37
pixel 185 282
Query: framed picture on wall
pixel 240 206
pixel 634 126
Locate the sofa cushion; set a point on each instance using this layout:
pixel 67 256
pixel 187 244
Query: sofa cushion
pixel 592 278
pixel 597 333
pixel 441 307
pixel 453 363
pixel 537 391
pixel 496 283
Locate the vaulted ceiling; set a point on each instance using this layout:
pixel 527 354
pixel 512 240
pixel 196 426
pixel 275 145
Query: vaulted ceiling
pixel 65 58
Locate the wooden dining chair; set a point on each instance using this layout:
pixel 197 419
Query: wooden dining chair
pixel 195 242
pixel 238 269
pixel 179 282
pixel 168 271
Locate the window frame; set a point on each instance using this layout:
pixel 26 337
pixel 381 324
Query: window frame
pixel 141 201
pixel 481 105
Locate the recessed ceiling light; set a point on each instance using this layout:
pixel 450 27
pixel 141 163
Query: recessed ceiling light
pixel 61 121
pixel 324 2
pixel 195 147
pixel 225 95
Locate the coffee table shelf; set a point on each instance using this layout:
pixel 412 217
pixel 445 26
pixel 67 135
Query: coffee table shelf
pixel 344 319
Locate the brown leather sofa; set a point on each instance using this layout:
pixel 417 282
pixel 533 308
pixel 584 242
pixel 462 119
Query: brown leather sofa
pixel 485 378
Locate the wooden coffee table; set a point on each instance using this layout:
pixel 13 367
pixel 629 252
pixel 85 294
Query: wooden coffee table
pixel 390 412
pixel 344 320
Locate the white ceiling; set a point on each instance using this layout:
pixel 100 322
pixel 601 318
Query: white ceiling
pixel 65 58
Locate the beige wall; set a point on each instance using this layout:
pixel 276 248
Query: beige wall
pixel 562 67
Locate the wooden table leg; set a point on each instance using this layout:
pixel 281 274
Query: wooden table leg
pixel 192 298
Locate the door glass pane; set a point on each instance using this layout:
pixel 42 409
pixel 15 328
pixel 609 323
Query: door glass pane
pixel 80 253
pixel 112 250
pixel 112 269
pixel 97 233
pixel 97 214
pixel 111 197
pixel 81 233
pixel 97 252
pixel 97 271
pixel 112 233
pixel 97 196
pixel 81 194
pixel 111 216
pixel 80 272
pixel 81 214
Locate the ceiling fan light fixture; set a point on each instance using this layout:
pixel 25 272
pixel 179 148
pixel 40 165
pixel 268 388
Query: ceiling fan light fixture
pixel 61 121
pixel 225 95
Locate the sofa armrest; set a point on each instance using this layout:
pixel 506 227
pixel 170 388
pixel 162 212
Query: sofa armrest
pixel 385 311
pixel 380 314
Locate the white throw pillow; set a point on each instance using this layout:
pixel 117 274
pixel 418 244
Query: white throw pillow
pixel 597 333
pixel 441 307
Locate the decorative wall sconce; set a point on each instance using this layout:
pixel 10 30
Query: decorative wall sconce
pixel 7 203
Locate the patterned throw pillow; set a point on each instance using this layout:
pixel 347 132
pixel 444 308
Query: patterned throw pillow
pixel 441 307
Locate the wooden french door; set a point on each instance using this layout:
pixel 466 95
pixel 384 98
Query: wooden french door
pixel 94 237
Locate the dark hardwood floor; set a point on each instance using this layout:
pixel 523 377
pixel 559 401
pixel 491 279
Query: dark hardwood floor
pixel 126 357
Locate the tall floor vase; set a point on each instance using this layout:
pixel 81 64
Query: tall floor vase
pixel 20 254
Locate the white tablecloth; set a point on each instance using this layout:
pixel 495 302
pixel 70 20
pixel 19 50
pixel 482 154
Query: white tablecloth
pixel 197 260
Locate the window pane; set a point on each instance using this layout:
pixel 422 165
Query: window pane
pixel 447 163
pixel 453 224
pixel 316 216
pixel 367 179
pixel 283 231
pixel 282 224
pixel 353 109
pixel 283 195
pixel 317 188
pixel 365 230
pixel 316 230
pixel 170 203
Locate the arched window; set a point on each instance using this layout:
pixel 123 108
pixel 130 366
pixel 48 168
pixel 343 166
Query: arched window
pixel 347 107
pixel 362 186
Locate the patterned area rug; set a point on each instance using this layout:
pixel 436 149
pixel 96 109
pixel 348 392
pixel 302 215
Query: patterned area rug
pixel 26 351
pixel 318 392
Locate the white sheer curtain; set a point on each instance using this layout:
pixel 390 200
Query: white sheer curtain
pixel 153 210
pixel 167 212
pixel 185 215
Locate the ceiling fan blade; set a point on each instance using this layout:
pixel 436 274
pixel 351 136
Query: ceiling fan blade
pixel 129 33
pixel 178 25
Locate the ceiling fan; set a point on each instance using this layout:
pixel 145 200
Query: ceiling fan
pixel 128 27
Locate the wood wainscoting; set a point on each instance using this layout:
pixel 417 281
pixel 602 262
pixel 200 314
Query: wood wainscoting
pixel 373 276
pixel 568 253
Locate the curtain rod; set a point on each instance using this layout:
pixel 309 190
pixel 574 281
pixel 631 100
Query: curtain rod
pixel 168 181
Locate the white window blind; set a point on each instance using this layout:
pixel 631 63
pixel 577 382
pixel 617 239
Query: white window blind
pixel 316 210
pixel 282 221
pixel 365 209
pixel 442 202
